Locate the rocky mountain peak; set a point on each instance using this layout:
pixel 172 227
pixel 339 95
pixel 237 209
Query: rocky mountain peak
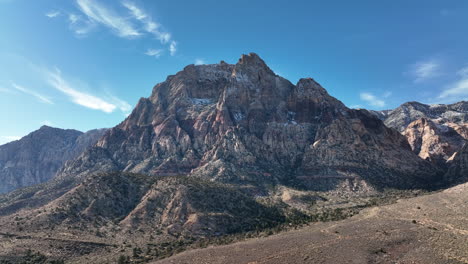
pixel 241 122
pixel 252 59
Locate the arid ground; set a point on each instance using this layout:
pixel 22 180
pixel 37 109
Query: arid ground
pixel 426 229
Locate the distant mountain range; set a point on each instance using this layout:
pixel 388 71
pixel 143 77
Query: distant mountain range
pixel 38 156
pixel 223 149
pixel 435 132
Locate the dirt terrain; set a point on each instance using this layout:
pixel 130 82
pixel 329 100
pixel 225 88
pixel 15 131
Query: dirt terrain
pixel 426 229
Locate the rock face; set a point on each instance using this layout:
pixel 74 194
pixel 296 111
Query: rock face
pixel 435 132
pixel 402 116
pixel 38 156
pixel 243 123
pixel 434 141
pixel 458 170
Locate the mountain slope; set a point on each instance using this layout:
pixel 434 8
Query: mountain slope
pixel 426 229
pixel 38 156
pixel 243 123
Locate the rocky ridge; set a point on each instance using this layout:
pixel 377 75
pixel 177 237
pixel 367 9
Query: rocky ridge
pixel 36 158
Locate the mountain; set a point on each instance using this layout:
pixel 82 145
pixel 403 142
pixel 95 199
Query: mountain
pixel 217 152
pixel 243 123
pixel 402 116
pixel 434 132
pixel 36 157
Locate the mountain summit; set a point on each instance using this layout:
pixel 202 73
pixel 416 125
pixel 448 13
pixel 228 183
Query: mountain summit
pixel 243 123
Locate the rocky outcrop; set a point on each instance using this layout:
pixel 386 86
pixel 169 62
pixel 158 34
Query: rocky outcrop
pixel 434 141
pixel 243 123
pixel 435 132
pixel 38 156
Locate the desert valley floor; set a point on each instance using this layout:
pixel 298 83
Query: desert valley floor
pixel 426 229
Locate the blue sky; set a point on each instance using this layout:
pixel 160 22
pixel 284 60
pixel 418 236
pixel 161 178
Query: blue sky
pixel 84 64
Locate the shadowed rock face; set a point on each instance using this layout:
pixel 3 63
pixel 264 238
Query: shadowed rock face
pixel 458 170
pixel 38 156
pixel 243 123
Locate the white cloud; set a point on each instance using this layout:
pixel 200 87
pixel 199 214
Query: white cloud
pixel 39 96
pixel 200 61
pixel 94 13
pixel 387 94
pixel 81 98
pixel 173 48
pixel 372 99
pixel 101 15
pixel 425 70
pixel 456 91
pixel 52 14
pixel 137 12
pixel 154 52
pixel 73 18
pixel 120 104
pixel 79 25
pixel 148 24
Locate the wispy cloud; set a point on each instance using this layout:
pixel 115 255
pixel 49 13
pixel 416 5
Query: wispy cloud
pixel 425 70
pixel 372 99
pixel 73 18
pixel 87 100
pixel 37 95
pixel 173 48
pixel 79 25
pixel 456 91
pixel 52 14
pixel 127 21
pixel 200 61
pixel 154 52
pixel 99 14
pixel 148 24
pixel 120 104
